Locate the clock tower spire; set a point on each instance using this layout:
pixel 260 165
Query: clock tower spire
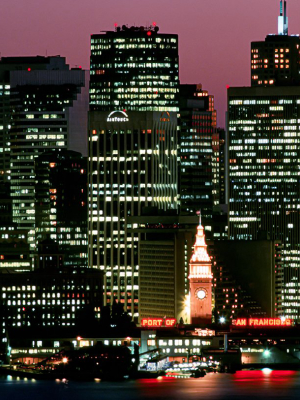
pixel 200 280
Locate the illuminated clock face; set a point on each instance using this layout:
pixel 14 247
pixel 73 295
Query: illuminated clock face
pixel 201 294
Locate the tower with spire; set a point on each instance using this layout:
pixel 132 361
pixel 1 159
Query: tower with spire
pixel 200 278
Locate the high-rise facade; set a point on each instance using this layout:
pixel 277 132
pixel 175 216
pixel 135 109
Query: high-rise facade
pixel 61 203
pixel 8 67
pixel 264 168
pixel 132 148
pixel 134 69
pixel 198 161
pixel 46 100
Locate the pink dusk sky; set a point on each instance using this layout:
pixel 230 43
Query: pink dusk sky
pixel 214 35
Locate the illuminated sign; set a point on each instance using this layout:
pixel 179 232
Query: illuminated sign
pixel 158 322
pixel 205 332
pixel 118 116
pixel 165 116
pixel 262 322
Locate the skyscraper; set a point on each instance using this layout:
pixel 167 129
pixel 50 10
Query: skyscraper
pixel 264 171
pixel 132 147
pixel 198 169
pixel 8 67
pixel 46 110
pixel 134 69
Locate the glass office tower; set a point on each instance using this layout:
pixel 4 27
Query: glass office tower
pixel 264 156
pixel 135 69
pixel 264 174
pixel 132 148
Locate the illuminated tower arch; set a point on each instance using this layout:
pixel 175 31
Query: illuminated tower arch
pixel 200 281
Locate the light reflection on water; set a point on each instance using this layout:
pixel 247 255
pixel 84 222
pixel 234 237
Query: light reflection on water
pixel 265 384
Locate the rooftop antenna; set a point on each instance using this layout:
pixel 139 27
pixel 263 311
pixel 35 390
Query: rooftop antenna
pixel 285 20
pixel 199 213
pixel 282 19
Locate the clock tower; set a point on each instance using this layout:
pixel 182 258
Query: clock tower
pixel 200 281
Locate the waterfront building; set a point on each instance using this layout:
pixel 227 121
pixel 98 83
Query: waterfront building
pixel 132 148
pixel 48 298
pixel 182 346
pixel 51 296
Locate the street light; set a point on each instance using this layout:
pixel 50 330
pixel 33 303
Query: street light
pixel 222 320
pixel 266 353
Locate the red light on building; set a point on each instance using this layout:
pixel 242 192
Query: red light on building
pixel 227 86
pixel 262 322
pixel 158 322
pixel 148 33
pixel 28 69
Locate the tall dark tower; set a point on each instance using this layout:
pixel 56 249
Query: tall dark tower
pixel 132 148
pixel 198 170
pixel 61 203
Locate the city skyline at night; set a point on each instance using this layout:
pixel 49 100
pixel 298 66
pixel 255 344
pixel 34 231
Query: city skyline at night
pixel 149 191
pixel 209 33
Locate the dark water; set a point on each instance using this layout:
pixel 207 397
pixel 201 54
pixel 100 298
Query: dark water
pixel 242 385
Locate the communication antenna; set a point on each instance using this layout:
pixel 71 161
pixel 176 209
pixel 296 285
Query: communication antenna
pixel 199 213
pixel 283 19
